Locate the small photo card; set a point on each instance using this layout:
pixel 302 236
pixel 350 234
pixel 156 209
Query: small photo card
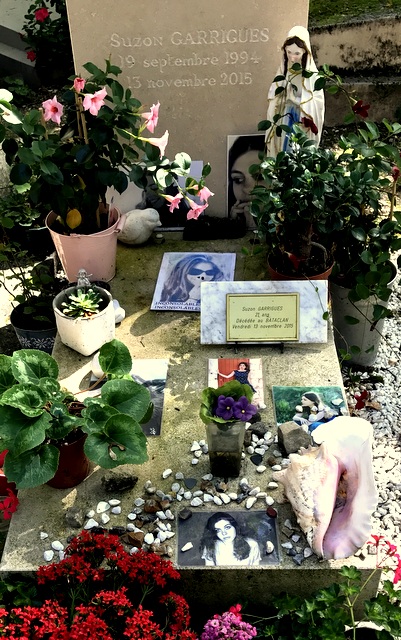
pixel 308 406
pixel 228 539
pixel 178 286
pixel 245 370
pixel 152 374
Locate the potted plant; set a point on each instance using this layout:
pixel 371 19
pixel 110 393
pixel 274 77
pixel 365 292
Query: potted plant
pixel 66 155
pixel 40 421
pixel 85 317
pixel 32 286
pixel 225 411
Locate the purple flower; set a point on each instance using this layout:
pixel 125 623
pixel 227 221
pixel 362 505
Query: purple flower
pixel 244 410
pixel 224 407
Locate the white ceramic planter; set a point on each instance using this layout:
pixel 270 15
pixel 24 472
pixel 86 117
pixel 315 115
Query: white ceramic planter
pixel 85 335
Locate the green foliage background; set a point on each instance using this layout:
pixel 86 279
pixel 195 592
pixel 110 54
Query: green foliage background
pixel 322 12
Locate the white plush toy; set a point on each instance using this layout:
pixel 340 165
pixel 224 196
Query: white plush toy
pixel 139 225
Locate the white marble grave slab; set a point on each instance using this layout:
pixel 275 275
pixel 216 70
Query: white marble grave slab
pixel 313 304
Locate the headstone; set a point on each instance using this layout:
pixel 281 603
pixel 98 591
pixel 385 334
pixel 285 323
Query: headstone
pixel 210 65
pixel 312 307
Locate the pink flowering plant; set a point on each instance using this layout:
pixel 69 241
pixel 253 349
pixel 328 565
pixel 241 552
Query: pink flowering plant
pixel 227 404
pixel 66 154
pixel 229 626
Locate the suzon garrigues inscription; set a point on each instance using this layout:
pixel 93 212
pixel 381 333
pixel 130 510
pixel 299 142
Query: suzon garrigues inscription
pixel 159 56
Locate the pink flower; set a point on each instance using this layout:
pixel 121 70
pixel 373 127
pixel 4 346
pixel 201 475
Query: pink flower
pixel 41 14
pixel 196 210
pixel 159 142
pixel 79 84
pixel 205 194
pixel 31 55
pixel 174 201
pixel 94 101
pixel 395 173
pixel 152 117
pixel 53 110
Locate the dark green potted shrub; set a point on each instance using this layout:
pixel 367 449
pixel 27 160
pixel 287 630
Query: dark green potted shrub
pixel 38 418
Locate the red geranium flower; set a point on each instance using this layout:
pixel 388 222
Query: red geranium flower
pixel 41 14
pixel 361 109
pixel 31 55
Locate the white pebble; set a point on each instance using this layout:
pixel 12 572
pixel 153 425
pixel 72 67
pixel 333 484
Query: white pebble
pixel 43 535
pixel 269 501
pixel 130 527
pixel 149 538
pixel 232 495
pixel 162 536
pixel 267 435
pixel 308 552
pixel 261 468
pixel 169 514
pixel 48 555
pixel 254 491
pixel 139 502
pixel 91 523
pixel 57 545
pixel 196 502
pixel 61 555
pixel 170 534
pixel 195 446
pixel 269 547
pixel 207 497
pixel 208 476
pixel 287 545
pixel 295 537
pixel 272 485
pixel 250 502
pixel 179 475
pixel 102 506
pixel 217 501
pixel 104 518
pixel 161 515
pixel 178 497
pixel 250 450
pixel 90 513
pixel 276 467
pixel 194 461
pixel 131 516
pixel 188 495
pixel 175 487
pixel 133 551
pixel 260 450
pixel 166 473
pixel 114 502
pixel 225 498
pixel 198 493
pixel 116 511
pixel 198 454
pixel 187 547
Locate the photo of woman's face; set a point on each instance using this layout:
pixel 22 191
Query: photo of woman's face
pixel 201 272
pixel 242 181
pixel 242 367
pixel 225 531
pixel 306 402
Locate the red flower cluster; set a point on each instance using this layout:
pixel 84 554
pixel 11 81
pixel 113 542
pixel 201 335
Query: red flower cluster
pixel 361 109
pixel 31 55
pixel 41 14
pixel 9 505
pixel 90 601
pixel 385 550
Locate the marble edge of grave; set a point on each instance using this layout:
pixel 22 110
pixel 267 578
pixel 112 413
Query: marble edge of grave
pixel 312 325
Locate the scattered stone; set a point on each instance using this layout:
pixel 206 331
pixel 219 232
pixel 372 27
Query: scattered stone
pixel 190 482
pixel 151 506
pixel 169 514
pixel 272 485
pixel 207 497
pixel 175 487
pixel 131 516
pixel 179 475
pixel 139 502
pixel 187 495
pixel 149 538
pixel 194 461
pixel 104 518
pixel 196 502
pixel 57 545
pixel 90 513
pixel 254 491
pixel 269 547
pixel 43 535
pixel 225 498
pixel 48 555
pixel 217 500
pixel 119 481
pixel 286 545
pixel 187 547
pixel 116 511
pixel 295 537
pixel 250 502
pixel 114 502
pixel 298 559
pixel 197 494
pixel 292 436
pixel 197 454
pixel 308 552
pixel 288 524
pixel 269 501
pixel 161 515
pixel 256 459
pixel 195 446
pixel 166 473
pixel 208 476
pixel 102 507
pixel 261 468
pixel 91 523
pixel 276 467
pixel 74 517
pixel 184 514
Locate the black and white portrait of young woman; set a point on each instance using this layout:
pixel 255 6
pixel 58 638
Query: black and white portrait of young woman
pixel 181 275
pixel 243 151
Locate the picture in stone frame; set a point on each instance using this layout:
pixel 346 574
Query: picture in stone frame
pixel 228 538
pixel 308 406
pixel 245 370
pixel 242 152
pixel 152 374
pixel 181 275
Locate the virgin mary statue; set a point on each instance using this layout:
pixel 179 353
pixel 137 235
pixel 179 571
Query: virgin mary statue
pixel 292 95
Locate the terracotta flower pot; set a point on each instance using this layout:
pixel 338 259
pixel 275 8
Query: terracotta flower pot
pixel 73 466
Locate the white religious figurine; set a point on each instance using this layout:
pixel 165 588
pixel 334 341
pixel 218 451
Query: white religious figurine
pixel 298 102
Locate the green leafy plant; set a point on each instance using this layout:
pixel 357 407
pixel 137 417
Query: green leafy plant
pixel 36 414
pixel 83 304
pixel 65 155
pixel 327 613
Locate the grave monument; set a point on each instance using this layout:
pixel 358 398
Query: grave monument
pixel 209 65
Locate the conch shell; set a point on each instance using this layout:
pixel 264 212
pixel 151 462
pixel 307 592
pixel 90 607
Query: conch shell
pixel 331 487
